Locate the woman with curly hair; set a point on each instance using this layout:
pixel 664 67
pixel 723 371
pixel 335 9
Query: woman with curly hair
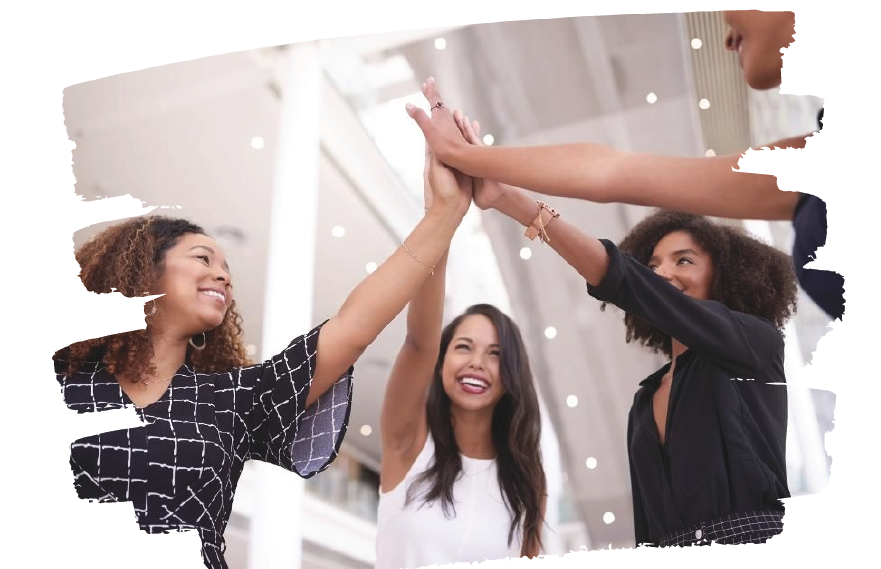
pixel 461 475
pixel 707 432
pixel 207 409
pixel 700 185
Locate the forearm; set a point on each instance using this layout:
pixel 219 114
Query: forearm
pixel 426 311
pixel 375 302
pixel 703 186
pixel 403 406
pixel 583 252
pixel 571 170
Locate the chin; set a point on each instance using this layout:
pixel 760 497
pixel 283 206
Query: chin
pixel 762 79
pixel 211 323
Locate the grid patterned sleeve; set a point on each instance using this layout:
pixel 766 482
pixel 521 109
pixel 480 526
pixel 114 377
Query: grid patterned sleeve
pixel 283 431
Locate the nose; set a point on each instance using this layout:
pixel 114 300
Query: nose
pixel 729 40
pixel 476 360
pixel 223 277
pixel 664 272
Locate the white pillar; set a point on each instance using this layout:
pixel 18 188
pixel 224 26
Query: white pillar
pixel 275 540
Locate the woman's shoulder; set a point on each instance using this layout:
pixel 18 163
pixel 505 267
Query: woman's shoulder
pixel 244 376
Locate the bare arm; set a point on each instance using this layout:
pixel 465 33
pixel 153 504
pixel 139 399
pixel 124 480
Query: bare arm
pixel 704 186
pixel 402 422
pixel 586 254
pixel 375 302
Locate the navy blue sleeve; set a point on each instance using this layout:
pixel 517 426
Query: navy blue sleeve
pixel 826 288
pixel 741 343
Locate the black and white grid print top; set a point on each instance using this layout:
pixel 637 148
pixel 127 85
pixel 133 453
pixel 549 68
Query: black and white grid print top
pixel 180 469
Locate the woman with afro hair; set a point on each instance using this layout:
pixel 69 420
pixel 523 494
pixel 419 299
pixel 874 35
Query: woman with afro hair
pixel 707 432
pixel 206 409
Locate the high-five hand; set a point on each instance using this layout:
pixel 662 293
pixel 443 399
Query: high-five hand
pixel 486 192
pixel 444 187
pixel 440 129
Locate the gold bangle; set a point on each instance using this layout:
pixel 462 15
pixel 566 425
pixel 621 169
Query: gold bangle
pixel 537 227
pixel 404 244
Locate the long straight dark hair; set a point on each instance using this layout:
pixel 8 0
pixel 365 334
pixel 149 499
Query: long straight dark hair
pixel 516 433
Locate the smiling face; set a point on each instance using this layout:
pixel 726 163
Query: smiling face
pixel 197 287
pixel 758 37
pixel 470 372
pixel 684 264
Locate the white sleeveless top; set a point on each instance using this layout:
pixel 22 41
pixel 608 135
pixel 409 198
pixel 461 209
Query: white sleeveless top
pixel 419 534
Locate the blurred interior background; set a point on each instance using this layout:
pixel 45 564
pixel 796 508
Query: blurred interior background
pixel 225 137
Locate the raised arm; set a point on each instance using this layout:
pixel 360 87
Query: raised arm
pixel 402 422
pixel 704 186
pixel 375 302
pixel 742 342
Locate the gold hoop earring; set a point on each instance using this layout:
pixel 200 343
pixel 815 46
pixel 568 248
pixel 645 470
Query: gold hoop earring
pixel 204 342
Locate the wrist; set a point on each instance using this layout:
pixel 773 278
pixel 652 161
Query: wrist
pixel 459 156
pixel 446 212
pixel 501 202
pixel 517 205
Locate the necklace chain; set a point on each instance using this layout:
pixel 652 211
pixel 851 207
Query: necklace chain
pixel 149 381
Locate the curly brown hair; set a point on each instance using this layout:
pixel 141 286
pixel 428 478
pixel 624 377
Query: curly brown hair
pixel 129 258
pixel 749 276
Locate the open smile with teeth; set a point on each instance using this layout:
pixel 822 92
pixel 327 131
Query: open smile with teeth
pixel 214 294
pixel 473 385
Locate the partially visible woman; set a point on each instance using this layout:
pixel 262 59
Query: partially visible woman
pixel 461 474
pixel 207 409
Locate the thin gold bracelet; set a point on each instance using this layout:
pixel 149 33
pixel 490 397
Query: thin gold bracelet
pixel 404 244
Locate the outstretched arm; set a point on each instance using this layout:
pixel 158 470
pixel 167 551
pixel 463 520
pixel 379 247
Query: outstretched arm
pixel 375 302
pixel 741 342
pixel 402 422
pixel 704 186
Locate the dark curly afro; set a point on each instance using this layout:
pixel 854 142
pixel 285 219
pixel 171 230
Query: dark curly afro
pixel 749 276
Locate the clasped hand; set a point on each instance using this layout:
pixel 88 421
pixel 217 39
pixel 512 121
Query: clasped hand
pixel 446 135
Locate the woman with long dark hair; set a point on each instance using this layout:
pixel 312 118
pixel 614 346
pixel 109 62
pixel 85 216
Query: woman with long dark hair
pixel 461 475
pixel 699 185
pixel 207 409
pixel 707 432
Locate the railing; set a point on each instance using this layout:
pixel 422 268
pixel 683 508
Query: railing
pixel 353 496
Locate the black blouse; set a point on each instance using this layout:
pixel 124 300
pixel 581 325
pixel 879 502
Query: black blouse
pixel 180 469
pixel 725 448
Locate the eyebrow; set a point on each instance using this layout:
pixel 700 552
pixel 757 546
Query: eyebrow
pixel 469 340
pixel 210 250
pixel 676 254
pixel 686 252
